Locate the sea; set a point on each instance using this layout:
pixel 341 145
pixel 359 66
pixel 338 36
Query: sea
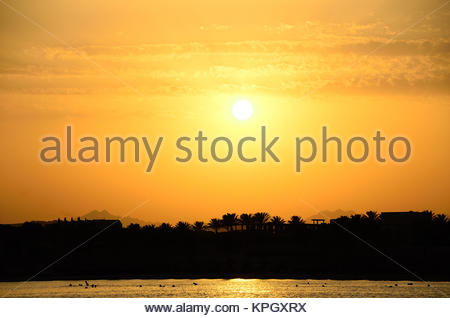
pixel 224 288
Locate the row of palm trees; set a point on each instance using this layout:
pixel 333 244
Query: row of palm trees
pixel 260 221
pixel 374 217
pixel 246 221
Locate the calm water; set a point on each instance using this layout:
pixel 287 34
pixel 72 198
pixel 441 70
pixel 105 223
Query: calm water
pixel 226 288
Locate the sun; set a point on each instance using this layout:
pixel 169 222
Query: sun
pixel 242 110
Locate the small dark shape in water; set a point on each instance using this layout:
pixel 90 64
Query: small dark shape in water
pixel 173 285
pixel 296 285
pixel 194 283
pixel 85 287
pixel 323 285
pixel 161 285
pixel 87 284
pixel 390 286
pixel 70 285
pixel 410 284
pixel 428 285
pixel 395 285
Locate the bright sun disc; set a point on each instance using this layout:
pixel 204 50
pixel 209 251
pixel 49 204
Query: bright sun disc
pixel 242 110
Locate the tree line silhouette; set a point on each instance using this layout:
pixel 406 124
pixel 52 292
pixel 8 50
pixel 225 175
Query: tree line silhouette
pixel 232 222
pixel 245 245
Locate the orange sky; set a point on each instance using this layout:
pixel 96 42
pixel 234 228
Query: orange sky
pixel 172 68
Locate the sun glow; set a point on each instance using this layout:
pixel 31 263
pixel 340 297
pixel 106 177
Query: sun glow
pixel 242 110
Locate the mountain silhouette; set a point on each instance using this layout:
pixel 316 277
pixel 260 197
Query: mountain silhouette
pixel 105 215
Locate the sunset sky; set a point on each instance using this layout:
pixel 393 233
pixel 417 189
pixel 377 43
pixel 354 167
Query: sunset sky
pixel 171 68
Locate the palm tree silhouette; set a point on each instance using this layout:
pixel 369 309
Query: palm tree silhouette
pixel 246 219
pixel 372 216
pixel 149 227
pixel 229 220
pixel 165 227
pixel 134 227
pixel 277 223
pixel 439 219
pixel 215 224
pixel 260 219
pixel 182 226
pixel 296 223
pixel 296 220
pixel 199 226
